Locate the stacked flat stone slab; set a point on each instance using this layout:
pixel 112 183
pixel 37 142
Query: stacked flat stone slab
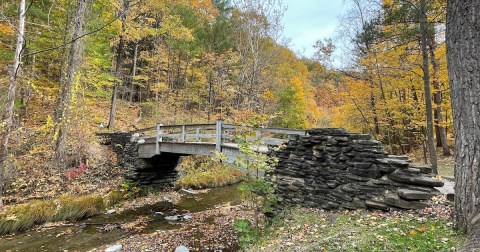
pixel 158 172
pixel 333 169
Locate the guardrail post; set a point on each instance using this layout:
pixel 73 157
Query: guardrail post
pixel 218 135
pixel 184 133
pixel 197 137
pixel 158 139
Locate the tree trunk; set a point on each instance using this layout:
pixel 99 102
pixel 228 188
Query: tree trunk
pixel 426 83
pixel 374 113
pixel 26 91
pixel 65 97
pixel 210 84
pixel 463 49
pixel 118 67
pixel 134 71
pixel 437 98
pixel 8 117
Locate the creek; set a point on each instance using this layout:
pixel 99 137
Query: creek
pixel 103 229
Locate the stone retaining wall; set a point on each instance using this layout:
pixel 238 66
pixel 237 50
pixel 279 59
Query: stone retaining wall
pixel 333 169
pixel 158 172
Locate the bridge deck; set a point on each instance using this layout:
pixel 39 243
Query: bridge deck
pixel 205 139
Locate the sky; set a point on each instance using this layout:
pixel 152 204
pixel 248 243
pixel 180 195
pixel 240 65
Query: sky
pixel 306 21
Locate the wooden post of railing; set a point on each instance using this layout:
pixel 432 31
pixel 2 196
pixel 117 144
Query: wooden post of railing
pixel 258 134
pixel 157 142
pixel 218 135
pixel 184 133
pixel 292 137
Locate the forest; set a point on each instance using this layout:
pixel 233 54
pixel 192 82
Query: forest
pixel 70 69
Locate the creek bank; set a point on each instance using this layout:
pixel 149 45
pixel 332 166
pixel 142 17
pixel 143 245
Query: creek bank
pixel 210 230
pixel 137 217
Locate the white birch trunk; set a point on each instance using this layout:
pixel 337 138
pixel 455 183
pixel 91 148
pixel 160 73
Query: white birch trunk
pixel 8 120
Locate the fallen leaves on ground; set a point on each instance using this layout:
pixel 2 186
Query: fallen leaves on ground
pixel 210 230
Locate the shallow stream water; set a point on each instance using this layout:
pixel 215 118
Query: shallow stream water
pixel 90 233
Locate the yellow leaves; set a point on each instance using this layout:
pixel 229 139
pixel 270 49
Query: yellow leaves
pixel 422 229
pixel 268 95
pixel 150 20
pixel 419 230
pixel 6 29
pixel 173 26
pixel 160 86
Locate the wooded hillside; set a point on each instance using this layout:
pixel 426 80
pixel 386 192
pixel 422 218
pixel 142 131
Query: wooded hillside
pixel 127 64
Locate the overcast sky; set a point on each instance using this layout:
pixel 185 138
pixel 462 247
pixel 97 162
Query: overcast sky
pixel 306 21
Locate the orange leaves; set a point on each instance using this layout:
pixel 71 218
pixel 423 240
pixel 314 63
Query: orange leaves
pixel 205 7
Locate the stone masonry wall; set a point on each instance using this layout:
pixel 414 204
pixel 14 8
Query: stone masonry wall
pixel 159 172
pixel 333 169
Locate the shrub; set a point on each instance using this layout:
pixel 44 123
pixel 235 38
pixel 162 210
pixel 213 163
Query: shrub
pixel 247 233
pixel 73 173
pixel 114 198
pixel 133 189
pixel 205 172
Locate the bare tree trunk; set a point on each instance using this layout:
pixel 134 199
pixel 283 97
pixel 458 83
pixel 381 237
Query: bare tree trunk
pixel 118 66
pixel 426 83
pixel 65 97
pixel 178 81
pixel 437 97
pixel 26 92
pixel 463 49
pixel 185 76
pixel 210 96
pixel 134 71
pixel 8 118
pixel 169 72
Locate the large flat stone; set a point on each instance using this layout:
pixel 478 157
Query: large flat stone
pixel 414 180
pixel 423 168
pixel 410 194
pixel 393 161
pixel 386 168
pixel 394 200
pixel 367 142
pixel 406 158
pixel 328 132
pixel 361 137
pixel 376 205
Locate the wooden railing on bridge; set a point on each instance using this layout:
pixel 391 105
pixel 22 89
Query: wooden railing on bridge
pixel 219 134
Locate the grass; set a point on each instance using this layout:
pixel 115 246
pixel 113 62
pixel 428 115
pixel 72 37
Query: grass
pixel 313 230
pixel 24 216
pixel 204 172
pixel 75 208
pixel 21 217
